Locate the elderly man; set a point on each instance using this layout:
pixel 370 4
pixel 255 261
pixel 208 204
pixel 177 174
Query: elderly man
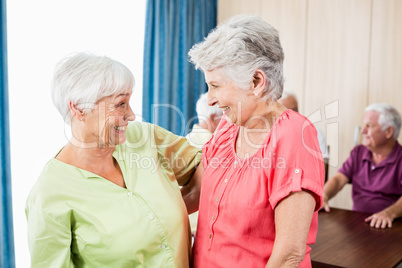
pixel 374 168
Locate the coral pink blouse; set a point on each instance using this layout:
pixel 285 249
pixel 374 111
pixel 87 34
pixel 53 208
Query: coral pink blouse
pixel 236 224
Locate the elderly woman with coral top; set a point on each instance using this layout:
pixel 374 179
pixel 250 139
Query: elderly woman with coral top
pixel 110 197
pixel 264 173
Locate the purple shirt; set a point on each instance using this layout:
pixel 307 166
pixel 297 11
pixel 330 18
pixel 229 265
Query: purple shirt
pixel 374 187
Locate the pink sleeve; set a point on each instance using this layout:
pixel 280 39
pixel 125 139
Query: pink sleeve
pixel 298 161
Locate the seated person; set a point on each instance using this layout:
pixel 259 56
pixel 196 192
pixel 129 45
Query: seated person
pixel 374 168
pixel 289 100
pixel 208 120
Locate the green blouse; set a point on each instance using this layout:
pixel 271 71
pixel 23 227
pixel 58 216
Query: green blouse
pixel 77 218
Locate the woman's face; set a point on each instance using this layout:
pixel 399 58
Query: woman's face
pixel 106 123
pixel 236 103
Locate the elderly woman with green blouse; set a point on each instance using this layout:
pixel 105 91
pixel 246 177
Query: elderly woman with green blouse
pixel 110 197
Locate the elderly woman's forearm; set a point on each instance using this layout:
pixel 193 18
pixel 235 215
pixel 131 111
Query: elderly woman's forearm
pixel 291 261
pixel 191 199
pixel 293 217
pixel 191 191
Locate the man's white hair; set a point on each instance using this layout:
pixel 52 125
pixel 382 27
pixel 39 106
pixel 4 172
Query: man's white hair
pixel 389 117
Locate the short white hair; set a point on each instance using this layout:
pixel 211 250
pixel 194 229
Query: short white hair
pixel 240 46
pixel 388 117
pixel 85 78
pixel 204 111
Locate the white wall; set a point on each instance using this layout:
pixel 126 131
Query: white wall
pixel 40 33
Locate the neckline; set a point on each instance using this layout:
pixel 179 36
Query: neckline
pixel 390 159
pixel 233 145
pixel 88 174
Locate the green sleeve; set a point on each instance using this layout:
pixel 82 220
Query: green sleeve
pixel 181 156
pixel 49 241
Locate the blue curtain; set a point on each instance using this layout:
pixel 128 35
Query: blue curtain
pixel 171 85
pixel 7 258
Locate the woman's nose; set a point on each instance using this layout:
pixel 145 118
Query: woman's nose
pixel 130 116
pixel 211 99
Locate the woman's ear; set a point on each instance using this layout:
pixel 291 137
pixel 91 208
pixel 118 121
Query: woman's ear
pixel 259 82
pixel 75 112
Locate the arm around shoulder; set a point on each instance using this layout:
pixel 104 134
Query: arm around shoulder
pixel 182 157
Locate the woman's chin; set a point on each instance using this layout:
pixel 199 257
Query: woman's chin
pixel 121 141
pixel 229 120
pixel 117 140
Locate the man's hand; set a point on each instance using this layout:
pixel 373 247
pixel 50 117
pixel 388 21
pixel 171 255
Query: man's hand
pixel 382 219
pixel 331 188
pixel 325 205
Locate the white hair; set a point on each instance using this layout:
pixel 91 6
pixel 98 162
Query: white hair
pixel 85 78
pixel 204 111
pixel 389 117
pixel 240 46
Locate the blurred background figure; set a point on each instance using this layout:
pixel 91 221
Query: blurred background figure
pixel 374 168
pixel 289 100
pixel 208 120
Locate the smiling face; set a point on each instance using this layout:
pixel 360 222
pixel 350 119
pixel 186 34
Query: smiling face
pixel 106 123
pixel 373 135
pixel 237 104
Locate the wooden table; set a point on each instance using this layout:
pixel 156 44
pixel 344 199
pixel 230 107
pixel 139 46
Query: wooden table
pixel 345 240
